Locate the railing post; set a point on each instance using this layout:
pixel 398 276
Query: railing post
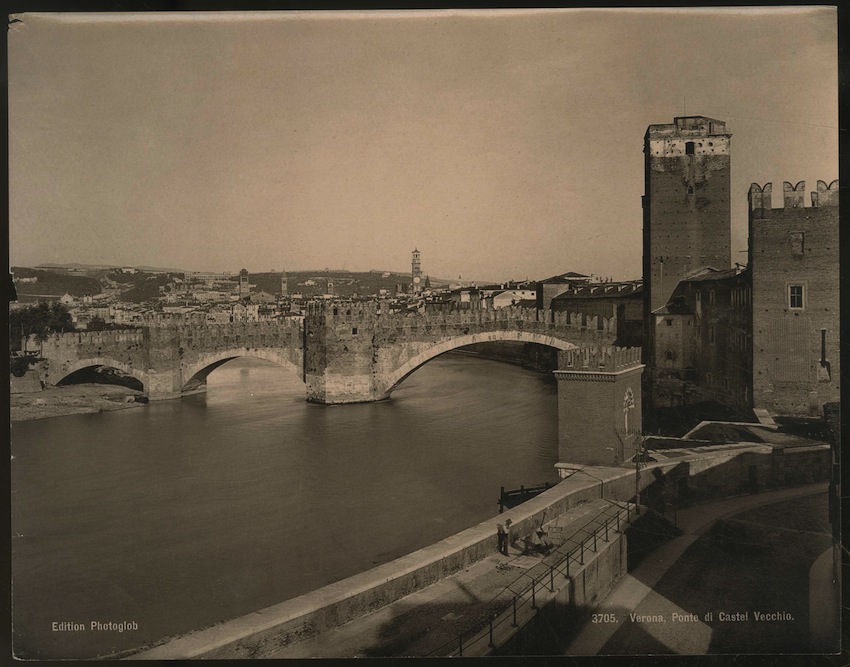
pixel 513 625
pixel 491 644
pixel 569 557
pixel 552 578
pixel 582 553
pixel 594 542
pixel 533 595
pixel 606 530
pixel 618 521
pixel 460 644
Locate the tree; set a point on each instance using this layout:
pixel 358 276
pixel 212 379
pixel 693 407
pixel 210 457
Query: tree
pixel 41 319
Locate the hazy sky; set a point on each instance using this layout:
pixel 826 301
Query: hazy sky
pixel 502 144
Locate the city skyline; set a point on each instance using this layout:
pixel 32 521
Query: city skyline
pixel 501 144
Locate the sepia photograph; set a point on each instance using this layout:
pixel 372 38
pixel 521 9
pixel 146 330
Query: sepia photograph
pixel 424 333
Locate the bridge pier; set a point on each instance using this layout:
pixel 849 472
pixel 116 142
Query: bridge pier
pixel 599 406
pixel 163 385
pixel 331 388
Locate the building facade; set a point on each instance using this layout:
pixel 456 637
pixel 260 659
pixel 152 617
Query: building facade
pixel 702 341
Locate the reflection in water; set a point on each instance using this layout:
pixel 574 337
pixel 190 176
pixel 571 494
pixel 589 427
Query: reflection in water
pixel 186 513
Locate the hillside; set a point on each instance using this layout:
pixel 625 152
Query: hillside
pixel 52 284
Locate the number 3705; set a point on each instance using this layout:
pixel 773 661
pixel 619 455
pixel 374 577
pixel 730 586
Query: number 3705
pixel 603 618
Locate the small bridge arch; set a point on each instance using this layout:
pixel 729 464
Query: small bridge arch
pixel 425 355
pixel 197 372
pixel 80 364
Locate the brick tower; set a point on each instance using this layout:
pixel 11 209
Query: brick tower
pixel 244 286
pixel 686 207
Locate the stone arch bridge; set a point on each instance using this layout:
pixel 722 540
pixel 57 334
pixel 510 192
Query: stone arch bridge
pixel 359 352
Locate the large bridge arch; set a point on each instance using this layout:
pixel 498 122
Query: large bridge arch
pixel 198 370
pixel 80 364
pixel 424 356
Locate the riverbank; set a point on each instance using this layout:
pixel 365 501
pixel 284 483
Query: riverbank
pixel 73 400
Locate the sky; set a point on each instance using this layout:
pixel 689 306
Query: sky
pixel 502 144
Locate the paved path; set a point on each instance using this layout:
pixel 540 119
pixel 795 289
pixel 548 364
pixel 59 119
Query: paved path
pixel 634 592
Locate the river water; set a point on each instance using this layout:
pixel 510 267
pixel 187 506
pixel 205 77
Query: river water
pixel 185 513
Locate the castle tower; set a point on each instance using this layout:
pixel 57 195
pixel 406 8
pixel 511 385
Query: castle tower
pixel 416 273
pixel 244 287
pixel 686 207
pixel 284 284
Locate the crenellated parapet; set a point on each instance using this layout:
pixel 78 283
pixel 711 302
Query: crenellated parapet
pixel 605 358
pixel 793 197
pixel 526 317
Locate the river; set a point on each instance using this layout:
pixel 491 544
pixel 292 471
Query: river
pixel 185 513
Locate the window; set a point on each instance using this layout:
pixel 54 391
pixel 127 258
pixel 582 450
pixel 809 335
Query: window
pixel 708 379
pixel 353 331
pixel 669 355
pixel 669 322
pixel 711 297
pixel 689 148
pixel 796 297
pixel 711 333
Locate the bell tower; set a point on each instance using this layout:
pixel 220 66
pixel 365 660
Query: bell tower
pixel 416 273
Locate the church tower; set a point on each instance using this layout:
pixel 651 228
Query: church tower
pixel 416 273
pixel 686 207
pixel 244 286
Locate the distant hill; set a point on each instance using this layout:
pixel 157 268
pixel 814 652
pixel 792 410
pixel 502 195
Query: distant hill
pixel 51 284
pixel 96 267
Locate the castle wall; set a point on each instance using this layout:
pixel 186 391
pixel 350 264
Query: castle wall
pixel 795 247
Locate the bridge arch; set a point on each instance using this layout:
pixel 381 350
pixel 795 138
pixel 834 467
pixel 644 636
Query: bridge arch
pixel 441 347
pixel 141 376
pixel 198 371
